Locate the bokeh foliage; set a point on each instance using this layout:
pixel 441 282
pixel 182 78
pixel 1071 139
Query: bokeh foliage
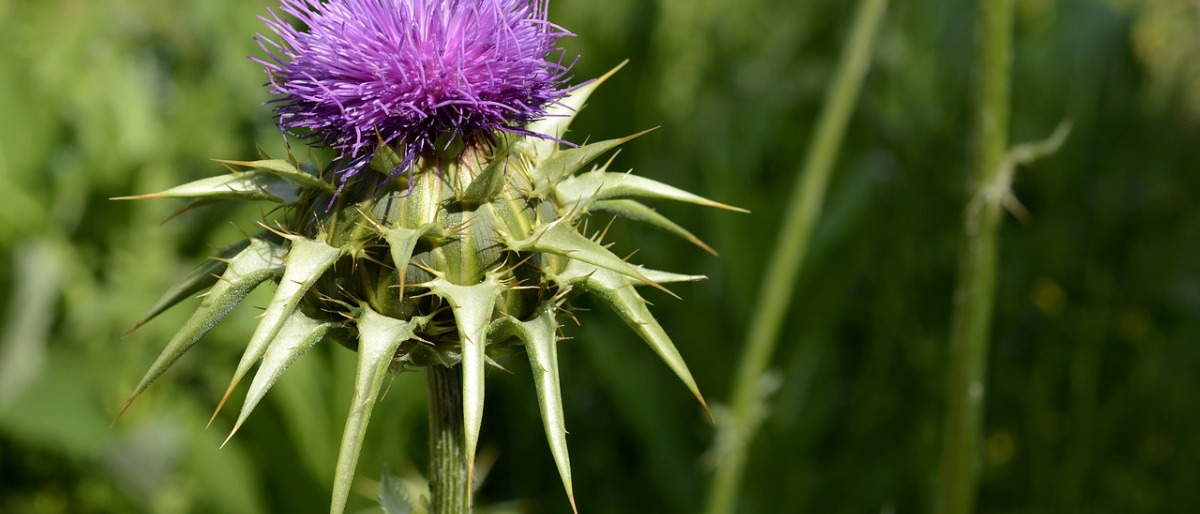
pixel 1093 379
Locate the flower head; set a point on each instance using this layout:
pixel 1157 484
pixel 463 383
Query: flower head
pixel 473 264
pixel 478 260
pixel 407 72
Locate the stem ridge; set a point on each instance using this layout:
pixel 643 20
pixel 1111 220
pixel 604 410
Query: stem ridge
pixel 450 492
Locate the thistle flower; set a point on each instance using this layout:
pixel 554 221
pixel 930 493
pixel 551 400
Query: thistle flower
pixel 410 72
pixel 471 255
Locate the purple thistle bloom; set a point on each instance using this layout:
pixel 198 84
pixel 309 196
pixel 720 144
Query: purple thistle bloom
pixel 407 72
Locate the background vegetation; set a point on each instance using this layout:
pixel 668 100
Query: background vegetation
pixel 1093 380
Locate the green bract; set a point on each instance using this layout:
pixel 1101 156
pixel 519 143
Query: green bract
pixel 468 256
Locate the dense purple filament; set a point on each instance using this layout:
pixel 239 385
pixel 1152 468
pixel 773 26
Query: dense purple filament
pixel 407 72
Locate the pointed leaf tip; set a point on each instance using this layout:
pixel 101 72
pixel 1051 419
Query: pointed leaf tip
pixel 298 335
pixel 635 211
pixel 613 289
pixel 307 260
pixel 563 163
pixel 707 411
pixel 561 238
pixel 472 306
pixel 665 277
pixel 559 115
pixel 248 185
pixel 260 261
pixel 541 345
pixel 379 338
pixel 602 185
pixel 402 241
pixel 120 413
pixel 221 405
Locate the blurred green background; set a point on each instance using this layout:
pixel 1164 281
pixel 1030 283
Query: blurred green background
pixel 1093 384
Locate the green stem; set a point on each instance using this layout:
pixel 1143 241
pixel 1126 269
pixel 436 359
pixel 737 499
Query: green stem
pixel 449 491
pixel 780 278
pixel 975 293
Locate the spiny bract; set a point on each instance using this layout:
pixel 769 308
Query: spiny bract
pixel 477 255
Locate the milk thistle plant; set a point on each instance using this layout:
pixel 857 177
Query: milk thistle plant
pixel 450 227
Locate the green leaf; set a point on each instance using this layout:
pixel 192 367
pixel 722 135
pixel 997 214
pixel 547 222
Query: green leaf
pixel 561 238
pixel 247 185
pixel 632 210
pixel 201 278
pixel 307 260
pixel 602 185
pixel 401 241
pixel 286 170
pixel 615 290
pixel 563 163
pixel 666 277
pixel 540 337
pixel 258 262
pixel 472 306
pixel 299 333
pixel 489 182
pixel 385 160
pixel 378 338
pixel 559 116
